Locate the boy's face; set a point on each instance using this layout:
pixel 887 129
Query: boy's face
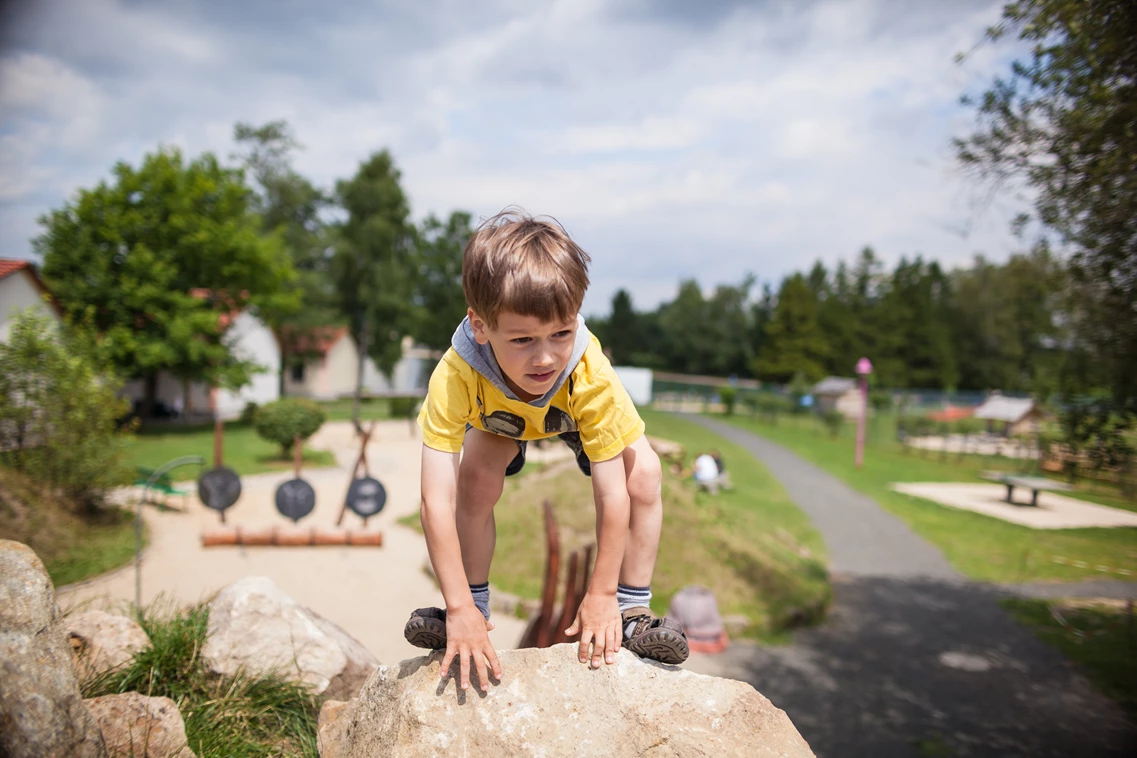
pixel 532 353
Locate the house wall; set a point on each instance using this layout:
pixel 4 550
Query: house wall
pixel 251 340
pixel 18 291
pixel 410 376
pixel 340 368
pixel 850 404
pixel 637 381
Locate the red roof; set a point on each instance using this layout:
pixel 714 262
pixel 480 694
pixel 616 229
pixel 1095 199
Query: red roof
pixel 9 266
pixel 951 413
pixel 317 340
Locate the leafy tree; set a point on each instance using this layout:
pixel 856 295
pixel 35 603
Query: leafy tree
pixel 1063 122
pixel 623 328
pixel 373 266
pixel 154 261
pixel 726 329
pixel 282 421
pixel 683 323
pixel 795 343
pixel 441 305
pixel 58 411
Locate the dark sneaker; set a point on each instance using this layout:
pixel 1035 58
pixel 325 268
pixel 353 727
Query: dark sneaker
pixel 427 629
pixel 661 639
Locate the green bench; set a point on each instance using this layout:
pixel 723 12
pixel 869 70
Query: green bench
pixel 1035 484
pixel 144 477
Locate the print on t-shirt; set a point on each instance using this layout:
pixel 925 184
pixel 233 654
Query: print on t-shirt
pixel 558 422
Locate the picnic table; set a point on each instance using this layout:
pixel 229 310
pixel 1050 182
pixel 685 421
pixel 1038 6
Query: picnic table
pixel 1035 484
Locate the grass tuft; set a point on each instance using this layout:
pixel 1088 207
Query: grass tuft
pixel 242 716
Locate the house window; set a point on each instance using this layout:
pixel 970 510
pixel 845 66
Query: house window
pixel 298 373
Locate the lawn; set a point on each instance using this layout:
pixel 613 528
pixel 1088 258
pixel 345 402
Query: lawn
pixel 1099 636
pixel 981 547
pixel 752 546
pixel 244 451
pixel 370 408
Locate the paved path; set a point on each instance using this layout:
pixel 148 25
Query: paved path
pixel 912 660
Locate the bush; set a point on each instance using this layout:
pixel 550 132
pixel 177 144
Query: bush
pixel 770 405
pixel 58 413
pixel 248 414
pixel 403 406
pixel 281 421
pixel 880 401
pixel 728 396
pixel 833 420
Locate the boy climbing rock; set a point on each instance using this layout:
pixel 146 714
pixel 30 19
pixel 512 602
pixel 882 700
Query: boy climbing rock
pixel 522 366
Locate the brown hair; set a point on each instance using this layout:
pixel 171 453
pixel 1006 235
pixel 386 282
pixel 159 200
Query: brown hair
pixel 515 262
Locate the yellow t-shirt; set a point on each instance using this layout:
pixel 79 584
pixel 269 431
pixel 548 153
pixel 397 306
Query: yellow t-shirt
pixel 592 402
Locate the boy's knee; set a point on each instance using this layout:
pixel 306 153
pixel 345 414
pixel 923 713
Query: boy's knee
pixel 481 485
pixel 646 478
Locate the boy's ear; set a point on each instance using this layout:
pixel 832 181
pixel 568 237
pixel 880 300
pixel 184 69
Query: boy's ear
pixel 479 326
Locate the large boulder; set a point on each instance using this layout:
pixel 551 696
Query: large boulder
pixel 136 726
pixel 254 626
pixel 104 642
pixel 41 710
pixel 549 704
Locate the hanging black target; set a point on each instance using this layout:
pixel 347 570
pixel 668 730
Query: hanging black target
pixel 295 499
pixel 219 488
pixel 366 496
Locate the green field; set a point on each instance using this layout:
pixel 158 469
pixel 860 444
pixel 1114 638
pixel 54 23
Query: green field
pixel 244 451
pixel 982 548
pixel 751 545
pixel 1101 637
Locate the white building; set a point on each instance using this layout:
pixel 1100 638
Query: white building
pixel 21 288
pixel 1010 416
pixel 838 393
pixel 331 367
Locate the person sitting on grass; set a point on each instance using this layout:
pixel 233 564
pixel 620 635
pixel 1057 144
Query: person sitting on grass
pixel 522 366
pixel 709 472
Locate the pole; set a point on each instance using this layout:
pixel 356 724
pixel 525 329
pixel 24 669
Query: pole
pixel 860 459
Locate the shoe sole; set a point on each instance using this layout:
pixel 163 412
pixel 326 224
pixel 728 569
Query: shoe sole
pixel 427 633
pixel 663 645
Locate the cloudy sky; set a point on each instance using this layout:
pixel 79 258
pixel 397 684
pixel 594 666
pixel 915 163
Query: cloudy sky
pixel 673 139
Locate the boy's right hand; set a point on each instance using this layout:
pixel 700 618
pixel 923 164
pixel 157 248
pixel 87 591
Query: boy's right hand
pixel 467 637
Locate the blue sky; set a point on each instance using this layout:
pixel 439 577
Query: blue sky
pixel 673 139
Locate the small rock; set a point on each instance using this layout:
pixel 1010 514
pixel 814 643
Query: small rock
pixel 41 710
pixel 255 626
pixel 104 642
pixel 550 704
pixel 136 726
pixel 965 661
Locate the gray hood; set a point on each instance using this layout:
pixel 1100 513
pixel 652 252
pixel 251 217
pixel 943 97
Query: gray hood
pixel 482 359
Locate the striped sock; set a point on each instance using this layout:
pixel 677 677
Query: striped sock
pixel 630 597
pixel 481 593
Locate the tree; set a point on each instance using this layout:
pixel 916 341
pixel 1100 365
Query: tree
pixel 290 208
pixel 623 329
pixel 154 263
pixel 373 264
pixel 440 302
pixel 794 341
pixel 1065 122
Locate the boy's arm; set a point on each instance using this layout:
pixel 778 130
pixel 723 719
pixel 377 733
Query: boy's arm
pixel 466 628
pixel 598 619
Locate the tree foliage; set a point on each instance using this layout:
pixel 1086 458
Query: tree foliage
pixel 439 302
pixel 155 262
pixel 1065 121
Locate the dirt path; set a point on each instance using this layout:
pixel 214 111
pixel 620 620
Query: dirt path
pixel 912 659
pixel 370 592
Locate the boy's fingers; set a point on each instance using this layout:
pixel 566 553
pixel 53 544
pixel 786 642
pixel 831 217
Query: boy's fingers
pixel 585 640
pixel 446 660
pixel 480 665
pixel 494 663
pixel 572 630
pixel 464 667
pixel 610 646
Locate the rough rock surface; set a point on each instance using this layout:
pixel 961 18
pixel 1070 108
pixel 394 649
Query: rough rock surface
pixel 255 626
pixel 41 710
pixel 549 704
pixel 136 726
pixel 104 642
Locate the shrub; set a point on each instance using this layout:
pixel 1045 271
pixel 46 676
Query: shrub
pixel 248 414
pixel 728 396
pixel 403 406
pixel 770 405
pixel 880 401
pixel 59 411
pixel 833 420
pixel 281 421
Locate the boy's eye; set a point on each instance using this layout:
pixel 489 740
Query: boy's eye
pixel 562 335
pixel 520 340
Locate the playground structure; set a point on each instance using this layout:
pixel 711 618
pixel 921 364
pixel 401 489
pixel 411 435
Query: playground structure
pixel 548 627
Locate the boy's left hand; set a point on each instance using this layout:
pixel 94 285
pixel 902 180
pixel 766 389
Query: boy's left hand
pixel 598 621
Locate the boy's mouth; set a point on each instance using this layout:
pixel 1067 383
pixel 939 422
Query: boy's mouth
pixel 541 378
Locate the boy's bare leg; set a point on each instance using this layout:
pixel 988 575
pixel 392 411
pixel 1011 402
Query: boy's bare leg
pixel 481 477
pixel 644 473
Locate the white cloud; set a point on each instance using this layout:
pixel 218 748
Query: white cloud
pixel 675 140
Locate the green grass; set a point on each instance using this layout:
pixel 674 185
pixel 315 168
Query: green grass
pixel 370 408
pixel 73 543
pixel 983 548
pixel 751 546
pixel 1099 637
pixel 244 451
pixel 238 716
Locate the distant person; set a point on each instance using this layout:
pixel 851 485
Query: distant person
pixel 708 472
pixel 522 366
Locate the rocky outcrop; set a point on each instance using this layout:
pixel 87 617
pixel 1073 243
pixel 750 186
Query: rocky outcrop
pixel 136 726
pixel 41 710
pixel 104 642
pixel 550 704
pixel 255 626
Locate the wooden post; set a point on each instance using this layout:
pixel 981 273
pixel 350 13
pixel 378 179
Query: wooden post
pixel 297 455
pixel 218 436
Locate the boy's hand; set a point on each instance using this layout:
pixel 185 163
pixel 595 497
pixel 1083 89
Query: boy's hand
pixel 466 637
pixel 598 621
